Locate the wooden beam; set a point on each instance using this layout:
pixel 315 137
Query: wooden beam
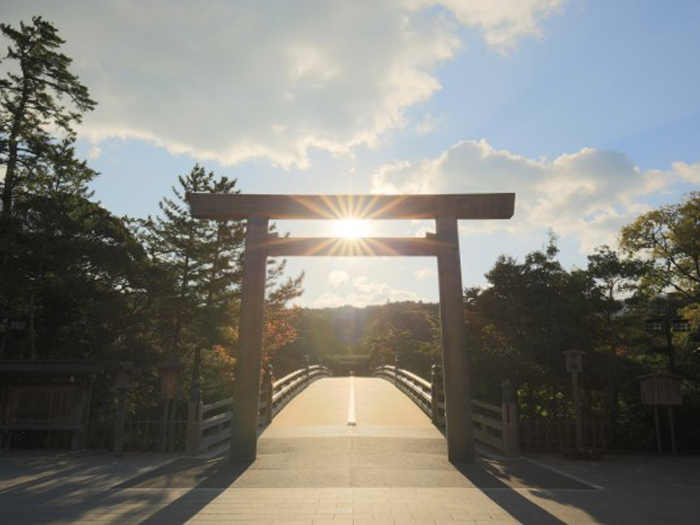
pixel 360 247
pixel 368 207
pixel 246 394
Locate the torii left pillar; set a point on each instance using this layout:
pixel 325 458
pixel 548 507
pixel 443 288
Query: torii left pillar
pixel 246 393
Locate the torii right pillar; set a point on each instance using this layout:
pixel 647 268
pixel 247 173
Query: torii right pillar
pixel 455 363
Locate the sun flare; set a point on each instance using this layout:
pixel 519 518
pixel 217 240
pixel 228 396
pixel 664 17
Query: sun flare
pixel 351 228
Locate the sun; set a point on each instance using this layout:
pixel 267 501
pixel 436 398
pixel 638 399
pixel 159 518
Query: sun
pixel 351 228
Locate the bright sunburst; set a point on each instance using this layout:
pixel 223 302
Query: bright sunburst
pixel 351 228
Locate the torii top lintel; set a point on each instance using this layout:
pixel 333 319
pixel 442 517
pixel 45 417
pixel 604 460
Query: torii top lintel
pixel 369 207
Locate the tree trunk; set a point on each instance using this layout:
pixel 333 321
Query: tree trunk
pixel 12 145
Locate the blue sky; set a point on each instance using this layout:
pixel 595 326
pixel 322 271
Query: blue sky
pixel 589 110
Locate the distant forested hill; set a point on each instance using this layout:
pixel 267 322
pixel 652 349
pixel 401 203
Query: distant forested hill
pixel 377 331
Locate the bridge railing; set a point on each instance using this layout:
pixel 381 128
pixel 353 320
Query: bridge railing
pixel 214 425
pixel 495 426
pixel 280 392
pixel 415 387
pixel 210 425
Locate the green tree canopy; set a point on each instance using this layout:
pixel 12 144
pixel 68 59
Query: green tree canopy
pixel 670 237
pixel 79 274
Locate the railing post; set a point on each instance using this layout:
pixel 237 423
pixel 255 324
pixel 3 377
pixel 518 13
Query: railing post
pixel 267 386
pixel 119 425
pixel 509 418
pixel 123 385
pixel 194 408
pixel 396 370
pixel 194 426
pixel 307 370
pixel 436 394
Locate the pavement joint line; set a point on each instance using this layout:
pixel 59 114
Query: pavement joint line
pixel 286 489
pixel 167 489
pixel 352 419
pixel 565 474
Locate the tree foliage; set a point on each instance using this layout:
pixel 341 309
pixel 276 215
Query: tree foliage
pixel 200 263
pixel 37 84
pixel 96 286
pixel 670 238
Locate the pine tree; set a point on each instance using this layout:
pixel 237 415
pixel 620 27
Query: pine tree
pixel 198 304
pixel 198 257
pixel 31 96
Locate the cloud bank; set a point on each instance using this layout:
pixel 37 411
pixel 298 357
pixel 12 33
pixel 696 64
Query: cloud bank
pixel 234 81
pixel 502 22
pixel 364 292
pixel 337 277
pixel 589 194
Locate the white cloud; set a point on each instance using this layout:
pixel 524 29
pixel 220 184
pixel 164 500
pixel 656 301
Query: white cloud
pixel 239 80
pixel 366 292
pixel 427 125
pixel 502 22
pixel 424 273
pixel 337 277
pixel 688 172
pixel 95 152
pixel 589 194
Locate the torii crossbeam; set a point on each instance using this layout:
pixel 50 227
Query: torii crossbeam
pixel 446 210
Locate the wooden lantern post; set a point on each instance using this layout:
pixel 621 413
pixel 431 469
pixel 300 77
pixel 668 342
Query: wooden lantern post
pixel 574 365
pixel 169 392
pixel 122 385
pixel 661 388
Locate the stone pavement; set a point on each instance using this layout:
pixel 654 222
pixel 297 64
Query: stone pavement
pixel 313 468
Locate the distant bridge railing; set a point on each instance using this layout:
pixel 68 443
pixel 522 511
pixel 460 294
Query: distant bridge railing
pixel 418 389
pixel 495 426
pixel 210 425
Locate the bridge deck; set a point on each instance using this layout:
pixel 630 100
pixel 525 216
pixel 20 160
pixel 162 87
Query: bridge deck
pixel 381 410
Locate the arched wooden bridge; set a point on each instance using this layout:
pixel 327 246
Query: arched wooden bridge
pixel 393 403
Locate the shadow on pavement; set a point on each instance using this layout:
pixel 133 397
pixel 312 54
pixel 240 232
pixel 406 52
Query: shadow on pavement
pixel 497 479
pixel 643 490
pixel 522 509
pixel 215 475
pixel 498 483
pixel 72 489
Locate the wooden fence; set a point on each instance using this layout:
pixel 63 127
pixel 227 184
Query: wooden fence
pixel 555 435
pixel 210 425
pixel 140 435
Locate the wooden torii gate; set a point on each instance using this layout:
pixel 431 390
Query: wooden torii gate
pixel 446 210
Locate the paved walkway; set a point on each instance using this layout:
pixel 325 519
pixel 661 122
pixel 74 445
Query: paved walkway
pixel 314 468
